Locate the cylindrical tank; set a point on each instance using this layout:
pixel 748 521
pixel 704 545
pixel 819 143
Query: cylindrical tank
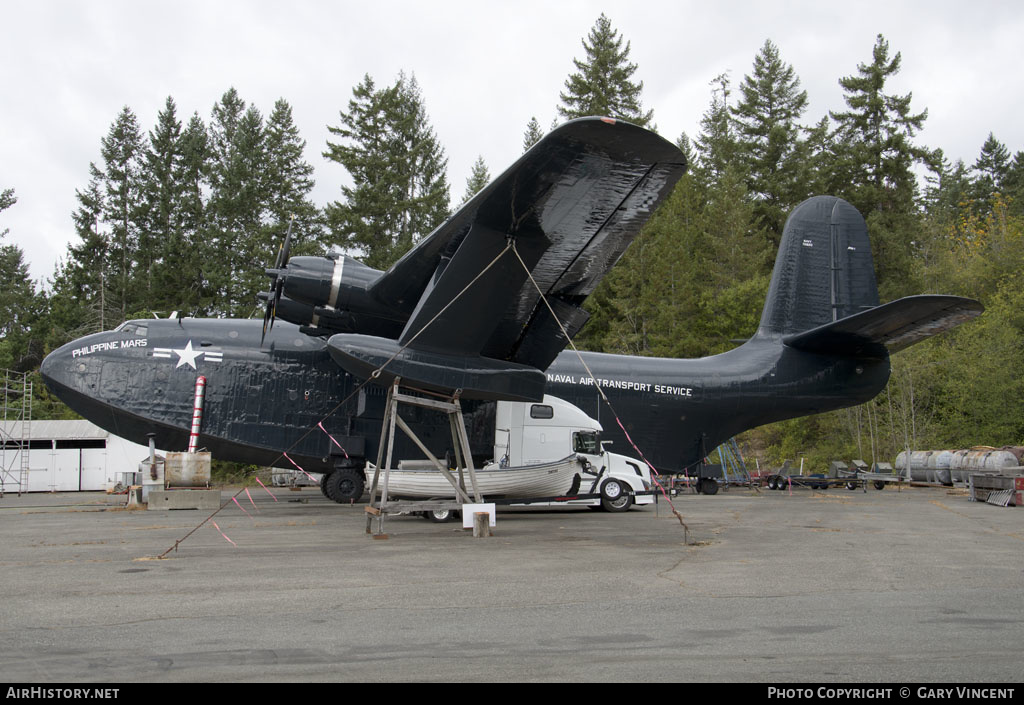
pixel 958 466
pixel 919 466
pixel 999 459
pixel 938 466
pixel 948 466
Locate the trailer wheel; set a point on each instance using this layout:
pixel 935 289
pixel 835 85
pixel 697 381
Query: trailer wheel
pixel 851 485
pixel 614 496
pixel 709 486
pixel 879 485
pixel 441 516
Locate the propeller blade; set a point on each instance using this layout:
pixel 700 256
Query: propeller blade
pixel 277 274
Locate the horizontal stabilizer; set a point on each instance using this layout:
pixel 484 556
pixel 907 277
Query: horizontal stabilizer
pixel 474 376
pixel 889 327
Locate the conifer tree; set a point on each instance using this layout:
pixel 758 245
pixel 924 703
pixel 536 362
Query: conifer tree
pixel 874 165
pixel 163 190
pixel 990 172
pixel 716 144
pixel 876 135
pixel 947 192
pixel 101 274
pixel 7 199
pixel 768 138
pixel 187 256
pixel 533 134
pixel 400 191
pixel 122 154
pixel 19 348
pixel 289 176
pixel 478 178
pixel 602 84
pixel 82 281
pixel 237 205
pixel 1014 185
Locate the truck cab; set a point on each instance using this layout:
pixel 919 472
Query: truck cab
pixel 534 433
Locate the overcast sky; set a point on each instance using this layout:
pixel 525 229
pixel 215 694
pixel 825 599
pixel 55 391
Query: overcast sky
pixel 485 68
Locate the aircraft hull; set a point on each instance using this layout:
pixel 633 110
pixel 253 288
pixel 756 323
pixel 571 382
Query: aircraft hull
pixel 289 396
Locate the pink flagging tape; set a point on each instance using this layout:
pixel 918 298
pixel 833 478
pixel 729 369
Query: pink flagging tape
pixel 300 468
pixel 654 470
pixel 223 534
pixel 253 503
pixel 265 487
pixel 321 425
pixel 235 500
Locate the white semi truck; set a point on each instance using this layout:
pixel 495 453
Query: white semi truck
pixel 532 433
pixel 528 435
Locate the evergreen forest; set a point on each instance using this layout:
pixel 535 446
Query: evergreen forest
pixel 185 215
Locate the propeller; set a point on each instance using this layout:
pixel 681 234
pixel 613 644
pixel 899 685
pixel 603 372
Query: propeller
pixel 273 297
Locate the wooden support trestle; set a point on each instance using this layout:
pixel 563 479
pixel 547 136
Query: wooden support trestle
pixel 379 501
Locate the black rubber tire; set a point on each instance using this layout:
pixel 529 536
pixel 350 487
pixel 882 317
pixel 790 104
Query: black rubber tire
pixel 441 516
pixel 615 496
pixel 344 485
pixel 323 485
pixel 709 486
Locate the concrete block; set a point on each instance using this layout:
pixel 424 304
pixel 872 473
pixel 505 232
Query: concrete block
pixel 184 499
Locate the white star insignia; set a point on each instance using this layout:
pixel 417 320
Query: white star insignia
pixel 187 356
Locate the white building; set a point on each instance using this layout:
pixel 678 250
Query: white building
pixel 65 456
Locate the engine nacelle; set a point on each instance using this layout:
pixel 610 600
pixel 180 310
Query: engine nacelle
pixel 326 281
pixel 330 295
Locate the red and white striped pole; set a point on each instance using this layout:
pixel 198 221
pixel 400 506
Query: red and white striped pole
pixel 197 414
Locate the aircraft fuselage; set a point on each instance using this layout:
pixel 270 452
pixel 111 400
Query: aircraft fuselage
pixel 264 399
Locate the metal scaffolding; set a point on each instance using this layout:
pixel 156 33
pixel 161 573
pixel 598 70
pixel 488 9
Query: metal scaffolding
pixel 15 432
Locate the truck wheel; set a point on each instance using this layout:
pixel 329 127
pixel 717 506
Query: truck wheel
pixel 344 485
pixel 709 486
pixel 879 485
pixel 614 496
pixel 851 485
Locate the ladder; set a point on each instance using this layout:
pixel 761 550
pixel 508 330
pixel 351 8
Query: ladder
pixel 17 430
pixel 734 470
pixel 380 505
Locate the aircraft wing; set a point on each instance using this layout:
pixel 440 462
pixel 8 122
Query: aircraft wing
pixel 571 205
pixel 895 325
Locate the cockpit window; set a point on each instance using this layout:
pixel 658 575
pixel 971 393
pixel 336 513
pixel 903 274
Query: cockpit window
pixel 588 442
pixel 138 328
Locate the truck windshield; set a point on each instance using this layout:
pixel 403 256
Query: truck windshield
pixel 588 442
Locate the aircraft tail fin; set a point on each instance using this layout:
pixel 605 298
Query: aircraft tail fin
pixel 823 297
pixel 823 272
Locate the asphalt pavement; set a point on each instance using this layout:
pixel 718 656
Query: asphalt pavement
pixel 917 585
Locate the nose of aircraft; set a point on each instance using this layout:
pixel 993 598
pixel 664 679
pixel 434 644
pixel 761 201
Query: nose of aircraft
pixel 72 365
pixel 54 368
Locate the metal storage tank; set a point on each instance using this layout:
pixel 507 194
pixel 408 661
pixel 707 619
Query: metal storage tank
pixel 938 466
